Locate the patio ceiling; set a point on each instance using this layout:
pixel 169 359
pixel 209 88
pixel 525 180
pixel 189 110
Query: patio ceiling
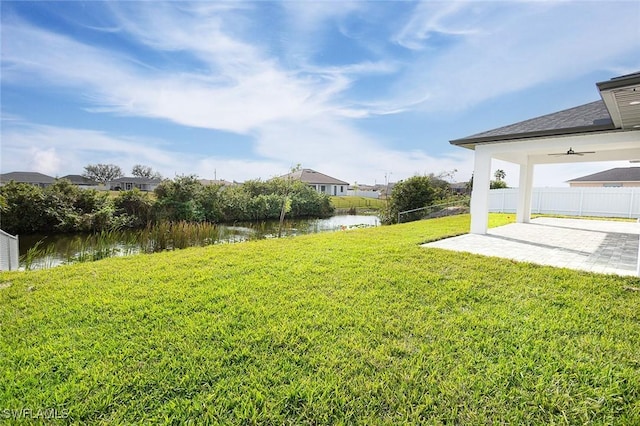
pixel 598 146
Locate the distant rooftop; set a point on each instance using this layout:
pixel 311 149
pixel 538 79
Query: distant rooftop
pixel 79 180
pixel 136 179
pixel 313 177
pixel 619 174
pixel 26 177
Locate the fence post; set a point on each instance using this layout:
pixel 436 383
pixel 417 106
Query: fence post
pixel 9 251
pixel 638 260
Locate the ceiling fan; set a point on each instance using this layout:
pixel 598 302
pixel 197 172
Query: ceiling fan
pixel 572 152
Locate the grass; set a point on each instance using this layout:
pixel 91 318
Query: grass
pixel 354 327
pixel 613 219
pixel 358 202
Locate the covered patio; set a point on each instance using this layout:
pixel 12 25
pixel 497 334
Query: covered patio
pixel 604 130
pixel 609 247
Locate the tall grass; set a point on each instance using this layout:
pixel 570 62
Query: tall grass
pixel 38 257
pixel 177 235
pixel 154 238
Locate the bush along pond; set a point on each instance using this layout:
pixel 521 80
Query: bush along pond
pixel 41 252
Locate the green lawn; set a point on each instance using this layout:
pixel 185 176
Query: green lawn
pixel 357 202
pixel 353 327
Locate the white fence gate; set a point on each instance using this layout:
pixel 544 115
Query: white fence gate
pixel 603 202
pixel 9 253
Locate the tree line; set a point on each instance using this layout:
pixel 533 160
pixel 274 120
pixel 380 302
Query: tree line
pixel 422 191
pixel 416 192
pixel 103 173
pixel 63 207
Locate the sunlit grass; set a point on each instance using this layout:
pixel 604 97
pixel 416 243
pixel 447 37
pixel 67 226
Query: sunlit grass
pixel 357 202
pixel 354 327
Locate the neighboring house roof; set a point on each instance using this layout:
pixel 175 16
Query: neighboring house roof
pixel 383 187
pixel 313 177
pixel 26 177
pixel 619 174
pixel 223 182
pixel 362 187
pixel 79 180
pixel 459 185
pixel 618 110
pixel 136 179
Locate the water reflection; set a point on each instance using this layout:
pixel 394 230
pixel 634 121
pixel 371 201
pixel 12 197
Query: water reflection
pixel 38 251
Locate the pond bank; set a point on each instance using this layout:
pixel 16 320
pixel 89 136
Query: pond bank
pixel 41 252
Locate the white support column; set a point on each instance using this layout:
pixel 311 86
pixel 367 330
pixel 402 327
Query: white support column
pixel 480 192
pixel 523 210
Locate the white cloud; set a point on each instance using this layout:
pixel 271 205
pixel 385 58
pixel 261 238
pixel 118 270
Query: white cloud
pixel 511 47
pixel 236 88
pixel 60 151
pixel 337 149
pixel 225 76
pixel 431 18
pixel 46 161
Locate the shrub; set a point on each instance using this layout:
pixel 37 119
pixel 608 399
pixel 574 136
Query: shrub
pixel 23 210
pixel 414 193
pixel 210 200
pixel 177 199
pixel 133 209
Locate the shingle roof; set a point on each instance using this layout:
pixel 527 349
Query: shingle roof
pixel 619 174
pixel 590 117
pixel 313 177
pixel 215 182
pixel 79 180
pixel 135 179
pixel 26 177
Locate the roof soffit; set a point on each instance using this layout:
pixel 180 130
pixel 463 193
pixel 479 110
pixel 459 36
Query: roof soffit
pixel 622 97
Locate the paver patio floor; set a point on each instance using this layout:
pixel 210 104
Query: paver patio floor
pixel 589 245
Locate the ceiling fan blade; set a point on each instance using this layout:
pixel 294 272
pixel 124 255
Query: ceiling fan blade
pixel 572 152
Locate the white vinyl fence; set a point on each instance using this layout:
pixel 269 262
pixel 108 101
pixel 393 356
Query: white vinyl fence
pixel 603 202
pixel 8 252
pixel 365 194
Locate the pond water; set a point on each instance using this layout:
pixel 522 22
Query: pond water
pixel 40 251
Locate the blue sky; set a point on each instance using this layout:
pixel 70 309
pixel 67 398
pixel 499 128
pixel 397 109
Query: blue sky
pixel 240 90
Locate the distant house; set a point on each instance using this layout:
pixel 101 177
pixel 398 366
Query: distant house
pixel 460 187
pixel 82 182
pixel 222 182
pixel 129 183
pixel 33 178
pixel 612 178
pixel 320 182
